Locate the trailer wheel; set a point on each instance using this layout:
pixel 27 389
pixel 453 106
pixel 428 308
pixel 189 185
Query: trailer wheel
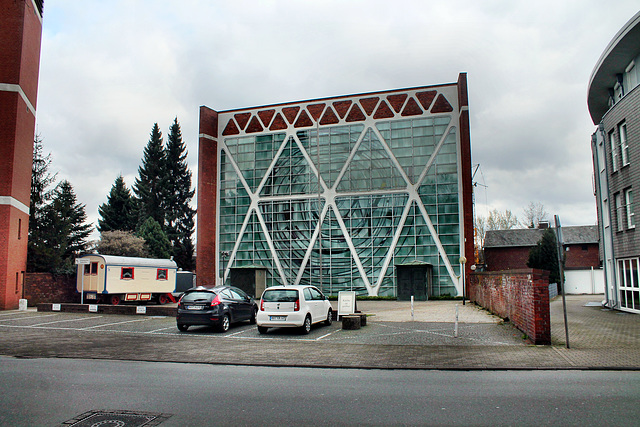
pixel 114 299
pixel 163 299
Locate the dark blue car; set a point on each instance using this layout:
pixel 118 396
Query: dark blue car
pixel 219 306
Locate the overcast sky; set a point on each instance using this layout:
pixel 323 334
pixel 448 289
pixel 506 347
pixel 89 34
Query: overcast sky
pixel 111 69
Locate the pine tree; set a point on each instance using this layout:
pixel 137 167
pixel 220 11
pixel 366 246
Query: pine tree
pixel 158 245
pixel 179 214
pixel 545 256
pixel 41 180
pixel 118 213
pixel 149 186
pixel 66 232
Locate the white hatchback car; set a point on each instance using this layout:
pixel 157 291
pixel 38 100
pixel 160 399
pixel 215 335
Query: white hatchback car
pixel 293 306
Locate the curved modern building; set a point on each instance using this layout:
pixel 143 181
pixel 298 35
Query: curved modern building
pixel 368 193
pixel 614 105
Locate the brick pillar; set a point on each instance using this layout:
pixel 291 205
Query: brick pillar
pixel 206 262
pixel 20 32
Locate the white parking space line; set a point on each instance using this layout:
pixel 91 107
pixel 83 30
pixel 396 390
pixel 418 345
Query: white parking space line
pixel 30 317
pixel 238 333
pixel 326 335
pixel 67 320
pixel 112 324
pixel 12 312
pixel 163 329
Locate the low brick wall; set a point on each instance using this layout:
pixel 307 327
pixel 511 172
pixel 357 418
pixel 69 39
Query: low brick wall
pixel 522 296
pixel 46 287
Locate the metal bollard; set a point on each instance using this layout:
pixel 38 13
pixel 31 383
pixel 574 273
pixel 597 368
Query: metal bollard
pixel 412 308
pixel 455 333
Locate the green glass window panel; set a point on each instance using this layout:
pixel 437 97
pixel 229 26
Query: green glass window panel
pixel 291 173
pixel 370 162
pixel 336 143
pixel 253 155
pixel 412 141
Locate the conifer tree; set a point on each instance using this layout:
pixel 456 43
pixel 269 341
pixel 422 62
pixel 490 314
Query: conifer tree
pixel 66 232
pixel 41 179
pixel 545 256
pixel 118 213
pixel 179 214
pixel 158 245
pixel 149 186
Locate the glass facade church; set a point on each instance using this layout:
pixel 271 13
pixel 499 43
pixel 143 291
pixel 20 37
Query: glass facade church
pixel 338 192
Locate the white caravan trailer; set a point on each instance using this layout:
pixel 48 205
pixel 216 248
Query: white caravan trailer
pixel 112 279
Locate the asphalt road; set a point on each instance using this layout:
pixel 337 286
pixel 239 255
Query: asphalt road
pixel 49 392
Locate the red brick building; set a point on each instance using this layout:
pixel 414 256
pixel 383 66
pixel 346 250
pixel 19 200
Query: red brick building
pixel 20 32
pixel 509 250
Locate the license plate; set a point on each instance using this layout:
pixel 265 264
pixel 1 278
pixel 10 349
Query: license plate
pixel 194 307
pixel 277 318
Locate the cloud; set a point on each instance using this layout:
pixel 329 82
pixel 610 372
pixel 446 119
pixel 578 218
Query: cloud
pixel 110 70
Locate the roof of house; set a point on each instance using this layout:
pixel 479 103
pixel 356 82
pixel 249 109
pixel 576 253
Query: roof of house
pixel 574 235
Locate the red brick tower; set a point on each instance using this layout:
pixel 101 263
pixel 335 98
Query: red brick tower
pixel 20 36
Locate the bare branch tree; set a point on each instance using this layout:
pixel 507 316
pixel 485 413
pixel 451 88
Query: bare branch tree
pixel 534 213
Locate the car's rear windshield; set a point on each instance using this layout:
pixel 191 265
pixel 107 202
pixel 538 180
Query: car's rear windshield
pixel 198 296
pixel 280 295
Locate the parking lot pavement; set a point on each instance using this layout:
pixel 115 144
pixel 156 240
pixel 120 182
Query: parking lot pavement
pixel 426 311
pixel 390 339
pixel 377 332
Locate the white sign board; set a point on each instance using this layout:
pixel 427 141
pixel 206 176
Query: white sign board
pixel 93 308
pixel 55 307
pixel 141 309
pixel 83 261
pixel 346 303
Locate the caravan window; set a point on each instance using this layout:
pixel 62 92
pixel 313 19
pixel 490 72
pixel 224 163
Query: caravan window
pixel 127 273
pixel 162 274
pixel 87 269
pixel 94 268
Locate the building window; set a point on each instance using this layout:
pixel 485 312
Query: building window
pixel 628 198
pixel 629 283
pixel 619 213
pixel 624 147
pixel 614 151
pixel 127 273
pixel 162 274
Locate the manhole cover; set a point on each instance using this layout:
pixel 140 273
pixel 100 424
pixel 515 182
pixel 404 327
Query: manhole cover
pixel 116 419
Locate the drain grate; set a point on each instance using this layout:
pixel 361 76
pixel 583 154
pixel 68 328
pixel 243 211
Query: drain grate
pixel 105 418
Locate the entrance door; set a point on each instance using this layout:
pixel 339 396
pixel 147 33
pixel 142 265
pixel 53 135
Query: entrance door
pixel 412 280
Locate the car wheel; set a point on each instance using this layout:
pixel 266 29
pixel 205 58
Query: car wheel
pixel 306 326
pixel 329 318
pixel 225 323
pixel 262 329
pixel 254 313
pixel 182 327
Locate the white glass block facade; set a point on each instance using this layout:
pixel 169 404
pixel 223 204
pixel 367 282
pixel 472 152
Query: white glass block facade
pixel 337 192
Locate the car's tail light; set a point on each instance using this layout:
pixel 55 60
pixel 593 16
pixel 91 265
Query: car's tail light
pixel 216 301
pixel 296 305
pixel 261 305
pixel 180 300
